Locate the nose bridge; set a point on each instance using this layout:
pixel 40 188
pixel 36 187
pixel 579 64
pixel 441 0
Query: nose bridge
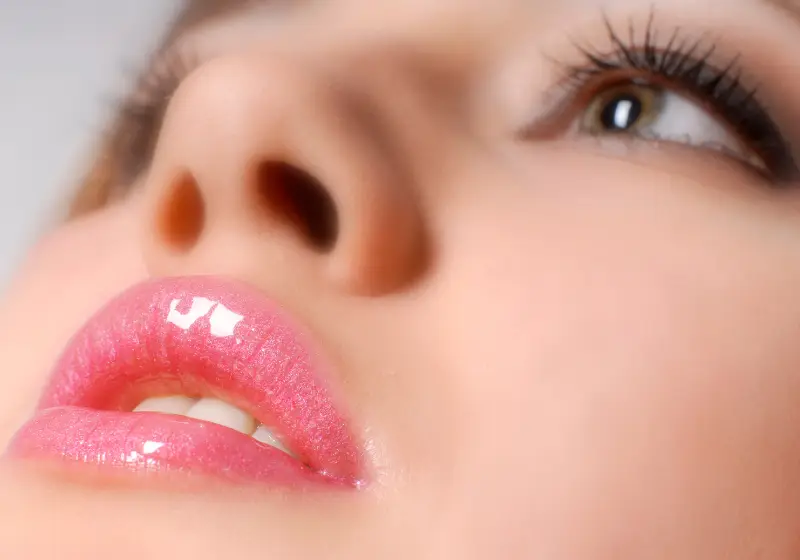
pixel 412 92
pixel 257 144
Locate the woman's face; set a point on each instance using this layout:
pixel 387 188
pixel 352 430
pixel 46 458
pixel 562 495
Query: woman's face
pixel 549 254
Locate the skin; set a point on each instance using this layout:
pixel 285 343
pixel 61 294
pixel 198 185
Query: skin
pixel 554 349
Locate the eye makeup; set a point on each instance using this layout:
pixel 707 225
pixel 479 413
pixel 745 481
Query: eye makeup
pixel 685 63
pixel 682 64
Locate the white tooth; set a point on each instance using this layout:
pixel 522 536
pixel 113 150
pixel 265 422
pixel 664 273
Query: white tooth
pixel 167 405
pixel 265 435
pixel 219 412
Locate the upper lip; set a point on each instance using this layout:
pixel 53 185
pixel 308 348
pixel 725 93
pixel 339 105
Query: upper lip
pixel 207 336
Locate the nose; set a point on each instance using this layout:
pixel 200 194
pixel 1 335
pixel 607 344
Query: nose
pixel 265 165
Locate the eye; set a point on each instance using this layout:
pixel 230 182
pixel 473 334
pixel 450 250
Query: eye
pixel 623 109
pixel 645 90
pixel 650 112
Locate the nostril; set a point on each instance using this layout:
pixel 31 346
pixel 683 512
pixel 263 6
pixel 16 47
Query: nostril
pixel 302 201
pixel 183 214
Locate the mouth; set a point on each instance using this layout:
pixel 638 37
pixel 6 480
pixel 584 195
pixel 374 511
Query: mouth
pixel 195 375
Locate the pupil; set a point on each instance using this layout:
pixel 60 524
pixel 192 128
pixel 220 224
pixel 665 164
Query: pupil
pixel 621 113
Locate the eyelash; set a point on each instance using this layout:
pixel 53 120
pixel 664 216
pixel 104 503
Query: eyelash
pixel 141 113
pixel 680 64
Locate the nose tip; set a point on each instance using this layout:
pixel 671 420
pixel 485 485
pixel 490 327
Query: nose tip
pixel 268 155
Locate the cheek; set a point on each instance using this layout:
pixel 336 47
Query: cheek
pixel 631 340
pixel 66 278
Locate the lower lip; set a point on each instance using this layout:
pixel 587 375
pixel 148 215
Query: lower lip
pixel 199 336
pixel 154 444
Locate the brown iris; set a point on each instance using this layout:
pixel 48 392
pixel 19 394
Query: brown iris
pixel 622 109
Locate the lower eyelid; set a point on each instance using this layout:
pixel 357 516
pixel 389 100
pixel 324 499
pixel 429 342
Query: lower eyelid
pixel 670 157
pixel 729 99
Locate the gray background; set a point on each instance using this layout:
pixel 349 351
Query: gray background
pixel 62 65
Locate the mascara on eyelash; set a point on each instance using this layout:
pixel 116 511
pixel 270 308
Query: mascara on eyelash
pixel 141 112
pixel 682 64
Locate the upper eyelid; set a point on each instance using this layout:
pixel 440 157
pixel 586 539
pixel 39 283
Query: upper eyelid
pixel 567 55
pixel 724 81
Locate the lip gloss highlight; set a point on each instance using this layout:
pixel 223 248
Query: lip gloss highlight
pixel 198 336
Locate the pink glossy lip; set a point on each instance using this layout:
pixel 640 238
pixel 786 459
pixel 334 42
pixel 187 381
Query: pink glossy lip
pixel 198 336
